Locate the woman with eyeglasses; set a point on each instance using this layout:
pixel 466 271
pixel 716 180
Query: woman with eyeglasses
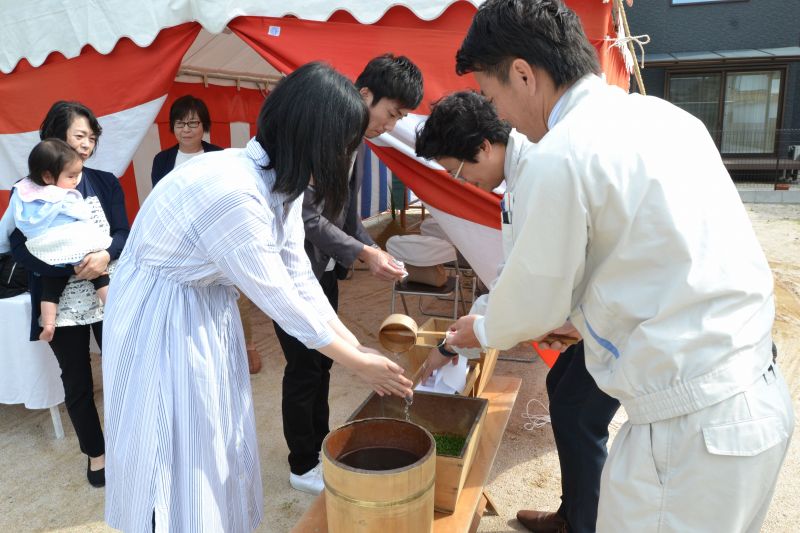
pixel 189 121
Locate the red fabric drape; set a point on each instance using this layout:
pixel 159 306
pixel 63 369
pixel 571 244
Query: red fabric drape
pixel 287 43
pixel 348 45
pixel 431 186
pixel 127 77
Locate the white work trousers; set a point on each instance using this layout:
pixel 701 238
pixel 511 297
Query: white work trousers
pixel 710 471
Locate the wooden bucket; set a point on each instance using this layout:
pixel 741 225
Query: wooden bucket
pixel 359 500
pixel 441 414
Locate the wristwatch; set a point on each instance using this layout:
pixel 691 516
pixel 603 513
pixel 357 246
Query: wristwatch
pixel 444 351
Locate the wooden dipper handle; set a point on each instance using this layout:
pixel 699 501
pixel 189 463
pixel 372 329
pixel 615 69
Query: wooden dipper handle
pixel 566 340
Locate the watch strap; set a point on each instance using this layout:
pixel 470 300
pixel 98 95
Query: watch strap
pixel 444 351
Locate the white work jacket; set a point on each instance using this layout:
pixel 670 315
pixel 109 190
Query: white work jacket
pixel 628 224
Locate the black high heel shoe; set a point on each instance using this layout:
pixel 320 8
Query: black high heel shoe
pixel 97 478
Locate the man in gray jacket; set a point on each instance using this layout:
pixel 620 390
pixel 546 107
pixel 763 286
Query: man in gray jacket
pixel 391 87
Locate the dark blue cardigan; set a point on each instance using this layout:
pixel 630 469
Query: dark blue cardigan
pixel 108 191
pixel 164 161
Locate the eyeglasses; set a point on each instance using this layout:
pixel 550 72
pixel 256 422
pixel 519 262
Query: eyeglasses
pixel 458 171
pixel 179 124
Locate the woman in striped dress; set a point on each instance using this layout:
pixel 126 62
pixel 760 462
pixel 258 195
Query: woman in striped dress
pixel 181 444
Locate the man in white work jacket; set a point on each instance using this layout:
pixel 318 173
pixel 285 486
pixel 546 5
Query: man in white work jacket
pixel 652 259
pixel 464 135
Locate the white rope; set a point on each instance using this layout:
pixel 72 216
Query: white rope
pixel 538 421
pixel 535 421
pixel 621 42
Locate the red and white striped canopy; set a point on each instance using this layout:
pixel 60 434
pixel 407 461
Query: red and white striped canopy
pixel 122 58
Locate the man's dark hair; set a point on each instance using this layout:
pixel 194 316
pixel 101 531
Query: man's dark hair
pixel 184 106
pixel 311 125
pixel 458 125
pixel 545 33
pixel 392 77
pixel 60 116
pixel 49 156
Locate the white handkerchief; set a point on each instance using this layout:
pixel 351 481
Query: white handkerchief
pixel 450 379
pixel 455 376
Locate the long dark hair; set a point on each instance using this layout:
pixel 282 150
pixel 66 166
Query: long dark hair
pixel 311 125
pixel 60 116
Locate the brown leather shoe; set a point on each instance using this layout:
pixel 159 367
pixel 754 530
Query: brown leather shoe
pixel 542 521
pixel 254 361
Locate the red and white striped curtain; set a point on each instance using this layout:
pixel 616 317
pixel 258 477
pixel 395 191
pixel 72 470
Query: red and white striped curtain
pixel 131 88
pixel 125 88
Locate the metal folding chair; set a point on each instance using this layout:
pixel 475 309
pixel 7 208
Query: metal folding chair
pixel 451 289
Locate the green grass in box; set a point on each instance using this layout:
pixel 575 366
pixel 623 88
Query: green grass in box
pixel 448 444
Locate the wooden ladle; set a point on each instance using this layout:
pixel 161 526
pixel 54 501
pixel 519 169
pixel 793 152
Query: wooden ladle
pixel 399 333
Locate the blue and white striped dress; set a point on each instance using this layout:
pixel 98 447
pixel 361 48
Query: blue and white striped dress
pixel 180 431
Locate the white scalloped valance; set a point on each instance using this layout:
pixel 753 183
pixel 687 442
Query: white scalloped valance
pixel 32 29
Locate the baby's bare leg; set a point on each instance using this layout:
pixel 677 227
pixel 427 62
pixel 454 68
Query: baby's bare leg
pixel 102 292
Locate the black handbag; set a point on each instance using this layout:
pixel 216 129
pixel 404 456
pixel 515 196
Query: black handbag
pixel 13 277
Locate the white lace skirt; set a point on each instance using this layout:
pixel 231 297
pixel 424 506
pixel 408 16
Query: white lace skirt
pixel 69 243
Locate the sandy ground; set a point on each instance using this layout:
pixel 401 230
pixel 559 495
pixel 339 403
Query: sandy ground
pixel 43 485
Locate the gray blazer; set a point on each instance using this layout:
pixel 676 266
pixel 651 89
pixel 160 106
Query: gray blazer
pixel 341 239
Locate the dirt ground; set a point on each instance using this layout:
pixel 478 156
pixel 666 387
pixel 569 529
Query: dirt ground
pixel 43 485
